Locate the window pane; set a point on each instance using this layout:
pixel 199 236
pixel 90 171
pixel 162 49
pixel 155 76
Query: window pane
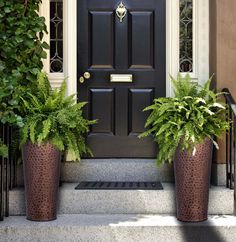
pixel 186 36
pixel 56 35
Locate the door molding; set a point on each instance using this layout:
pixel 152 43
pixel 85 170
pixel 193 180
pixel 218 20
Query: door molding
pixel 201 42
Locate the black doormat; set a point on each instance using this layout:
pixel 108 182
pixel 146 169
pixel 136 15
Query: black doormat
pixel 119 186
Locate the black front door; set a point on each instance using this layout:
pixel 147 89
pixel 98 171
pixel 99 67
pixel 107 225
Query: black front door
pixel 126 38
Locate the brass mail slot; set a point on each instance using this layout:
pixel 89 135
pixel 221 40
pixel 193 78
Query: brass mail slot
pixel 121 78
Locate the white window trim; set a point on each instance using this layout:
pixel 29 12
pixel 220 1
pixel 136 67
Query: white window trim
pixel 200 43
pixel 202 40
pixel 69 45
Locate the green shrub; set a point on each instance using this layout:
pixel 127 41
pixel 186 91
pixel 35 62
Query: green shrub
pixel 21 45
pixel 21 53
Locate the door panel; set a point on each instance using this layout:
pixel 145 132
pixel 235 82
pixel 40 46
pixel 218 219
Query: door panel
pixel 107 46
pixel 138 100
pixel 102 98
pixel 141 52
pixel 102 41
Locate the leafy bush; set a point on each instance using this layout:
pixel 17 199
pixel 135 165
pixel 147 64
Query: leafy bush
pixel 51 116
pixel 190 117
pixel 21 45
pixel 21 53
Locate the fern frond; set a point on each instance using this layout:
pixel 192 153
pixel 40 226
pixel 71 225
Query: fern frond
pixel 32 126
pixel 43 85
pixel 46 128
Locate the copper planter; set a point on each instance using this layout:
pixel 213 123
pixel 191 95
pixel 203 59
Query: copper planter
pixel 192 182
pixel 41 177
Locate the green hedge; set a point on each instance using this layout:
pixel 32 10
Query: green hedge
pixel 21 52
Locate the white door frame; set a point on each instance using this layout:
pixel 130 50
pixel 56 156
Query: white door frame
pixel 200 42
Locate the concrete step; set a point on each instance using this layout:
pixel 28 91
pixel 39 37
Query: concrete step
pixel 118 228
pixel 112 170
pixel 73 201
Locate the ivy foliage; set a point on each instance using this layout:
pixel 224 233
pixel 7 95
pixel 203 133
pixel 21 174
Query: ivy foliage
pixel 50 116
pixel 21 52
pixel 185 120
pixel 21 34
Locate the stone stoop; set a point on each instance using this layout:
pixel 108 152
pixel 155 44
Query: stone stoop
pixel 118 228
pixel 120 216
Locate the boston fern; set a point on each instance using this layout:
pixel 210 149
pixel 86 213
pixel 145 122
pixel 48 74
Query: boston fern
pixel 186 120
pixel 50 116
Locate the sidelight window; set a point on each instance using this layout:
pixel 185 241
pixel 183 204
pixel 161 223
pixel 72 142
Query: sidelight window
pixel 186 36
pixel 56 36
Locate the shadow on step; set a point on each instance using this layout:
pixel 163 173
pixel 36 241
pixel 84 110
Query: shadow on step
pixel 201 233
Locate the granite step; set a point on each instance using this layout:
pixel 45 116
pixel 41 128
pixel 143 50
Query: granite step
pixel 73 201
pixel 118 228
pixel 112 170
pixel 116 170
pixel 123 170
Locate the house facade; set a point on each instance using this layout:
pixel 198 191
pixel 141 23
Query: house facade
pixel 118 55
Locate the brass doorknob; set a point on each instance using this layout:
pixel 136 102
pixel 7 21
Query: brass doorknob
pixel 81 79
pixel 86 76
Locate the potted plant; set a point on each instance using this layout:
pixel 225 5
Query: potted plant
pixel 52 123
pixel 184 128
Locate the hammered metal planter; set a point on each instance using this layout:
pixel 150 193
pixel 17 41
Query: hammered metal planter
pixel 192 182
pixel 41 177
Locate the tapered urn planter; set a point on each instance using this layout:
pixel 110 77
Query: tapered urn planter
pixel 52 123
pixel 41 175
pixel 192 182
pixel 181 127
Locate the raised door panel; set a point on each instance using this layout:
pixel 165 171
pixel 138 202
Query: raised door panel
pixel 101 42
pixel 102 109
pixel 138 100
pixel 141 39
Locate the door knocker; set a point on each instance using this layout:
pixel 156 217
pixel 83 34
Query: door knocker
pixel 121 11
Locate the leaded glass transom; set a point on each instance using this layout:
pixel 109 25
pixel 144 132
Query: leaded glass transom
pixel 186 36
pixel 56 35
